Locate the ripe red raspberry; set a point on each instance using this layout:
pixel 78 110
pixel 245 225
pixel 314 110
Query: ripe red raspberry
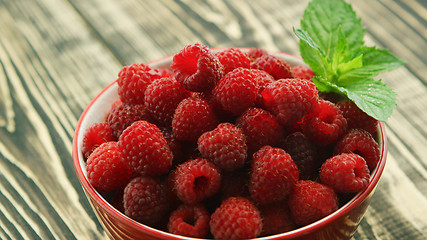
pixel 106 170
pixel 232 58
pixel 237 90
pixel 196 68
pixel 346 172
pixel 236 218
pixel 260 128
pixel 263 79
pixel 162 97
pixel 310 201
pixel 190 221
pixel 325 125
pixel 273 65
pixel 225 146
pixel 192 117
pixel 361 142
pixel 304 154
pixel 356 118
pixel 124 115
pixel 146 200
pixel 290 99
pixel 196 180
pixel 133 80
pixel 303 72
pixel 255 53
pixel 95 135
pixel 145 149
pixel 276 218
pixel 272 176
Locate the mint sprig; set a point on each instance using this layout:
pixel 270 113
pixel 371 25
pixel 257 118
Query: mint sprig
pixel 331 43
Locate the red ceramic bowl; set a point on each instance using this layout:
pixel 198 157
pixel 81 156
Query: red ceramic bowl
pixel 339 225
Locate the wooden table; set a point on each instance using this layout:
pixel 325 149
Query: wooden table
pixel 56 55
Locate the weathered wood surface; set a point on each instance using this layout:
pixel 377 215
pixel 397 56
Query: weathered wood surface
pixel 55 55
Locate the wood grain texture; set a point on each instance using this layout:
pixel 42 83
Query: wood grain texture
pixel 56 55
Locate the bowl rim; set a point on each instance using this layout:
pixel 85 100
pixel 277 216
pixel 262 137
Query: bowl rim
pixel 93 194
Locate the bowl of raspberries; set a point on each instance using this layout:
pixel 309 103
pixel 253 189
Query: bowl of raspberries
pixel 226 143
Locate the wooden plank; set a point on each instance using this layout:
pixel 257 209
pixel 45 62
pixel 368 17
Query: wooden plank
pixel 40 45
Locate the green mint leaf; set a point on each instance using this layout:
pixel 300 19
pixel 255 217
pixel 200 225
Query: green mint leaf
pixel 374 61
pixel 302 35
pixel 315 59
pixel 322 18
pixel 372 96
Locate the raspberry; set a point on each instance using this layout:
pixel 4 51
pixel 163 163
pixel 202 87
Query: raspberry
pixel 133 80
pixel 260 128
pixel 225 146
pixel 290 99
pixel 106 170
pixel 196 180
pixel 303 72
pixel 162 97
pixel 124 115
pixel 356 118
pixel 273 65
pixel 94 136
pixel 190 221
pixel 303 153
pixel 346 172
pixel 310 201
pixel 361 142
pixel 145 149
pixel 276 218
pixel 192 117
pixel 196 68
pixel 255 53
pixel 263 79
pixel 237 90
pixel 146 200
pixel 272 176
pixel 326 124
pixel 232 58
pixel 236 218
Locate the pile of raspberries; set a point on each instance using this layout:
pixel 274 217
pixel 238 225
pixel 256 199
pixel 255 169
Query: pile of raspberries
pixel 231 144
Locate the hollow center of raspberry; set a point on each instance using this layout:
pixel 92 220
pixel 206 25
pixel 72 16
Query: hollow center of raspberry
pixel 190 219
pixel 200 183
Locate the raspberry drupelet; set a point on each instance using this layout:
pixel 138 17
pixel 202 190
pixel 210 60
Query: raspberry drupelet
pixel 106 170
pixel 303 72
pixel 310 201
pixel 133 80
pixel 196 68
pixel 196 180
pixel 236 218
pixel 225 146
pixel 162 97
pixel 193 117
pixel 290 99
pixel 146 200
pixel 232 58
pixel 95 135
pixel 274 66
pixel 361 142
pixel 273 175
pixel 356 118
pixel 325 125
pixel 237 90
pixel 124 115
pixel 145 149
pixel 260 128
pixel 190 221
pixel 347 172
